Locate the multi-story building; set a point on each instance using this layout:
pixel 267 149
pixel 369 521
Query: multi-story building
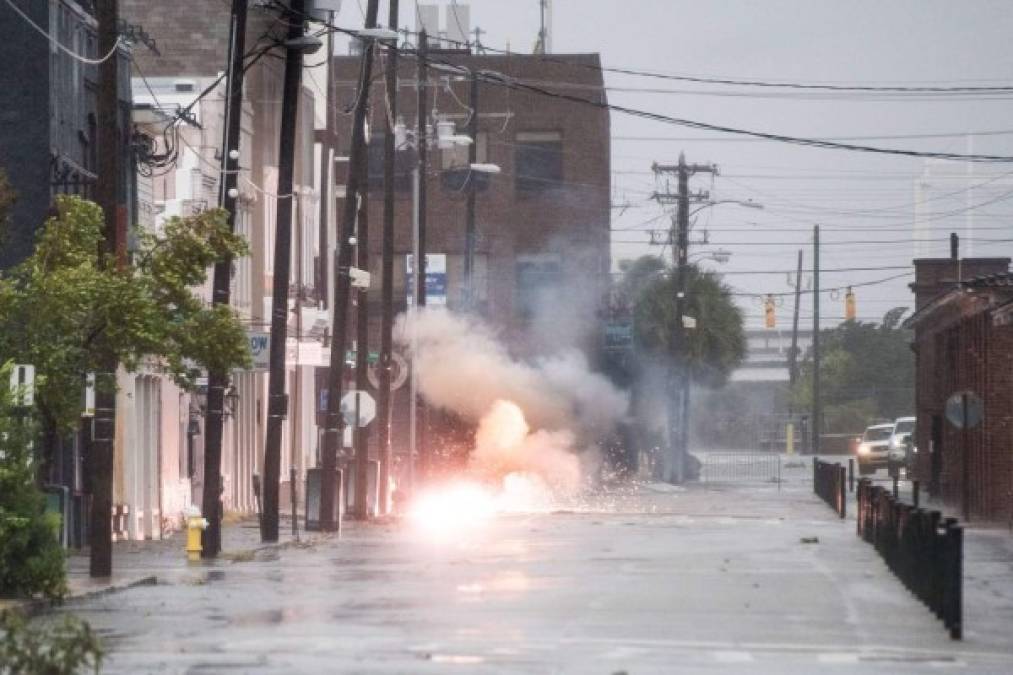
pixel 541 262
pixel 160 457
pixel 47 111
pixel 48 147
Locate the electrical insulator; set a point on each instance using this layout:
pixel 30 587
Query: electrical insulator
pixel 849 305
pixel 768 311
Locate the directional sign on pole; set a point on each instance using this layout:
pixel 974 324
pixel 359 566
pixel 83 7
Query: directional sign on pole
pixel 358 403
pixel 398 376
pixel 964 410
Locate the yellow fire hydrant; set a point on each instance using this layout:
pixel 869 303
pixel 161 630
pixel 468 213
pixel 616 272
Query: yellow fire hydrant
pixel 195 525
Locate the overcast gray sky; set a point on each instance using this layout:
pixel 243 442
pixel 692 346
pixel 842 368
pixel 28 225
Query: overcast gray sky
pixel 854 196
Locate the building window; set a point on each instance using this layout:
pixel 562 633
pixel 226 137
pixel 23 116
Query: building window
pixel 538 161
pixel 539 281
pixel 402 165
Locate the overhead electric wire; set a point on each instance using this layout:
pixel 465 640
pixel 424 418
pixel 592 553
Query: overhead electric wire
pixel 506 81
pixel 742 81
pixel 56 43
pixel 835 289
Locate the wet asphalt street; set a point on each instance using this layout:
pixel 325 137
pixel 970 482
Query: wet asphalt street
pixel 653 580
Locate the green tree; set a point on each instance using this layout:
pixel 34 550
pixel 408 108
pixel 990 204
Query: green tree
pixel 65 312
pixel 716 346
pixel 866 374
pixel 31 558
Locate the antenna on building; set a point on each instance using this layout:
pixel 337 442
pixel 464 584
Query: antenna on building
pixel 544 44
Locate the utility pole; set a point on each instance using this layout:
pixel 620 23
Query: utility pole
pixel 420 258
pixel 295 418
pixel 817 404
pixel 327 174
pixel 793 351
pixel 387 272
pixel 228 195
pixel 107 193
pixel 679 379
pixel 361 433
pixel 333 433
pixel 277 405
pixel 469 233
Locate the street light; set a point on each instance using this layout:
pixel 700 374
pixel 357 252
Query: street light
pixel 485 168
pixel 720 256
pixel 747 203
pixel 381 34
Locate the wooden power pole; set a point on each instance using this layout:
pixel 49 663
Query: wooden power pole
pixel 107 192
pixel 387 273
pixel 335 425
pixel 228 196
pixel 277 405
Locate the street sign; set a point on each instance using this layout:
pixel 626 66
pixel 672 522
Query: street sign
pixel 398 372
pixel 688 321
pixel 23 384
pixel 260 348
pixel 965 410
pixel 436 279
pixel 358 401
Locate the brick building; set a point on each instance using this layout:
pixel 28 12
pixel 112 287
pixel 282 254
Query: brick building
pixel 963 327
pixel 542 253
pixel 542 223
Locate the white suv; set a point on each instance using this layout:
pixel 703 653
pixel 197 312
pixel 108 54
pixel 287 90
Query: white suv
pixel 903 430
pixel 874 449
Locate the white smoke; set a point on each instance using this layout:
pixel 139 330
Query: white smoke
pixel 533 417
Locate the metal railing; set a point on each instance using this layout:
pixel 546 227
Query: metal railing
pixel 924 550
pixel 830 483
pixel 740 467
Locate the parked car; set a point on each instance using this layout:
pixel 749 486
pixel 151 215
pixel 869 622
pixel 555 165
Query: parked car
pixel 901 444
pixel 874 448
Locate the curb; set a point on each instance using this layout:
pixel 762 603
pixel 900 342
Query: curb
pixel 36 606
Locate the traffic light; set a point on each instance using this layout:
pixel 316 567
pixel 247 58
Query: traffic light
pixel 849 305
pixel 768 311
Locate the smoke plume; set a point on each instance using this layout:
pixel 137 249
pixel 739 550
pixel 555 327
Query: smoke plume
pixel 533 417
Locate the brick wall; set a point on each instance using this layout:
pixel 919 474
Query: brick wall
pixel 960 349
pixel 192 35
pixel 571 222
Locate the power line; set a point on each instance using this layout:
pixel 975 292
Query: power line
pixel 56 43
pixel 835 289
pixel 503 80
pixel 878 137
pixel 750 82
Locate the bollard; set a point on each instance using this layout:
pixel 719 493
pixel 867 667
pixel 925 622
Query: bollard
pixel 842 491
pixel 914 493
pixel 952 591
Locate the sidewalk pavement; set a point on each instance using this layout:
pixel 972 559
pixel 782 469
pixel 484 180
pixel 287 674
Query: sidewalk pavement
pixel 150 562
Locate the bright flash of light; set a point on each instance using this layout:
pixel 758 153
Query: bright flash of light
pixel 466 505
pixel 453 507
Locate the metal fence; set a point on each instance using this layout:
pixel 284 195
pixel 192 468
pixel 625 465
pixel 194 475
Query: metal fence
pixel 830 483
pixel 924 550
pixel 740 467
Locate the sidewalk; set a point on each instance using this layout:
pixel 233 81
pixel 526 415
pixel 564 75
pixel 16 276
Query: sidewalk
pixel 151 562
pixel 988 565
